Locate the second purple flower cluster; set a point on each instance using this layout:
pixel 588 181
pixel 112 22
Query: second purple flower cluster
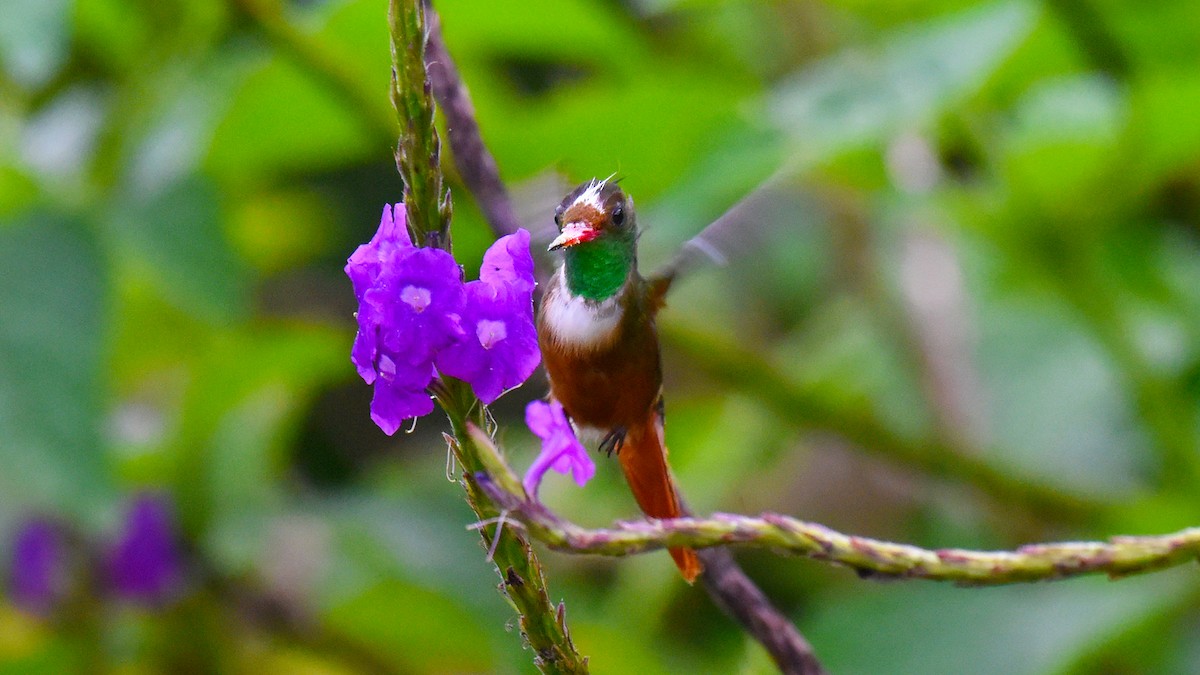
pixel 416 318
pixel 144 564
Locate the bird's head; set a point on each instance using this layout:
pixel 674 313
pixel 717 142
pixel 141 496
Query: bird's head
pixel 595 211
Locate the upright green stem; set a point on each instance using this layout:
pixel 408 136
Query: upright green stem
pixel 543 625
pixel 418 156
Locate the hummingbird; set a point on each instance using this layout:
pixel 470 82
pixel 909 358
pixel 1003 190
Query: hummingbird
pixel 596 329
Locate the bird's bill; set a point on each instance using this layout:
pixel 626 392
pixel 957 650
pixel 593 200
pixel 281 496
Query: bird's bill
pixel 574 233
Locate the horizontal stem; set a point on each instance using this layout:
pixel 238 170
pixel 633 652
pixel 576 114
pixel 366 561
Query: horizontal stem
pixel 1118 557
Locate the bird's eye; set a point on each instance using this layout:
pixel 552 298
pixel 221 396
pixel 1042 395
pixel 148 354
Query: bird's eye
pixel 558 211
pixel 618 215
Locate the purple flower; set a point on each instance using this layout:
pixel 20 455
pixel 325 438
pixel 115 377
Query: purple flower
pixel 498 349
pixel 38 574
pixel 145 563
pixel 561 451
pixel 409 304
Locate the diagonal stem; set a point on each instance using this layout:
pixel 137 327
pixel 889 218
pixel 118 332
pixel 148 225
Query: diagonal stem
pixel 523 582
pixel 723 578
pixel 475 163
pixel 736 593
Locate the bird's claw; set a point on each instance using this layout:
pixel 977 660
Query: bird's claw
pixel 613 441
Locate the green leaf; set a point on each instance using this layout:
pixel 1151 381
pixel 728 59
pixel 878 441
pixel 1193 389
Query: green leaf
pixel 420 629
pixel 615 651
pixel 283 120
pixel 1062 143
pixel 611 100
pixel 240 411
pixel 846 353
pixel 51 343
pixel 114 32
pixel 34 37
pixel 17 190
pixel 1164 111
pixel 29 648
pixel 568 30
pixel 1082 107
pixel 856 97
pixel 1018 630
pixel 175 238
pixel 1155 33
pixel 1057 404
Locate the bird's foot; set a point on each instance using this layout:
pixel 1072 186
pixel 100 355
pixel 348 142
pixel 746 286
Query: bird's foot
pixel 613 441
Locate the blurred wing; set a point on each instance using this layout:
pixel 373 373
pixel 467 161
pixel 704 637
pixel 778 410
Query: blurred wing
pixel 534 201
pixel 739 232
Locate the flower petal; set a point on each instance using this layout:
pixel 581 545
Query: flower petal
pixel 561 450
pixel 508 262
pixel 393 403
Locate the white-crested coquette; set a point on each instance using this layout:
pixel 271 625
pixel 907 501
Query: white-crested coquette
pixel 596 330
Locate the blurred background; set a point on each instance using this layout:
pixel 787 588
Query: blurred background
pixel 967 314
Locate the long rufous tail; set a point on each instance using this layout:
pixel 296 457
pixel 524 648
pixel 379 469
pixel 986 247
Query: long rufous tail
pixel 644 460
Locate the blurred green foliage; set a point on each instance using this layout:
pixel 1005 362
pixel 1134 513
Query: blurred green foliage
pixel 991 249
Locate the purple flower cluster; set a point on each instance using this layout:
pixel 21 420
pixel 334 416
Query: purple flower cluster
pixel 561 450
pixel 143 565
pixel 416 318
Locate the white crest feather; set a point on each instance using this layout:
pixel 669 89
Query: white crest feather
pixel 591 196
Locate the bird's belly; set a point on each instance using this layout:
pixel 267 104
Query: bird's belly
pixel 602 360
pixel 582 324
pixel 606 389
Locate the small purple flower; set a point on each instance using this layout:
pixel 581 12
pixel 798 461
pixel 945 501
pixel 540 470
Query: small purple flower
pixel 409 304
pixel 498 349
pixel 561 450
pixel 391 240
pixel 145 564
pixel 37 577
